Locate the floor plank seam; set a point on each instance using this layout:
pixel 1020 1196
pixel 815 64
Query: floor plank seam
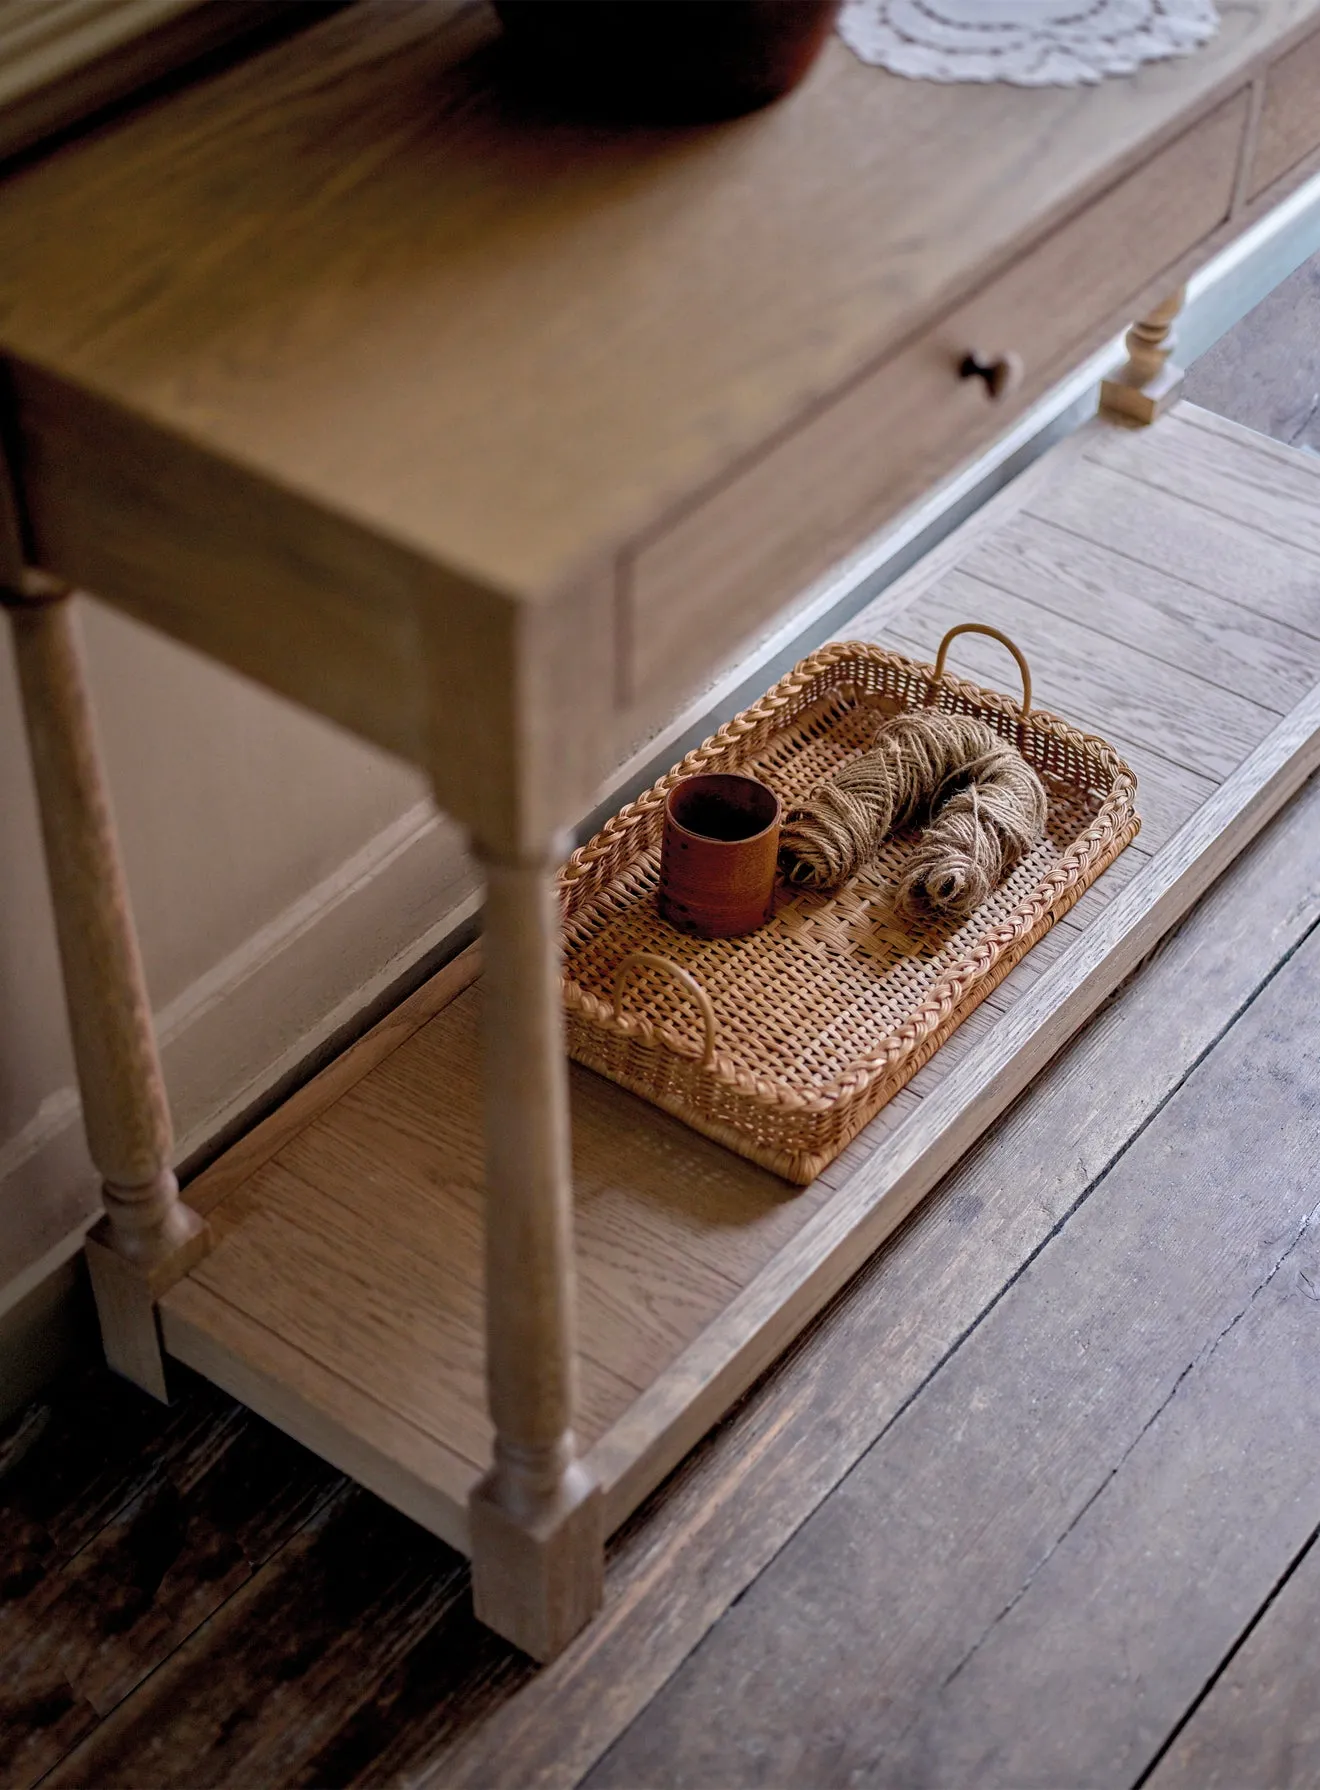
pixel 1135 559
pixel 1101 1174
pixel 32 1426
pixel 1306 422
pixel 1207 1688
pixel 785 1362
pixel 231 1427
pixel 1198 1361
pixel 1145 480
pixel 1080 1200
pixel 212 1616
pixel 1154 658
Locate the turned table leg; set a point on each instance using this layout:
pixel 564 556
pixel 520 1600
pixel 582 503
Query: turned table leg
pixel 1151 381
pixel 148 1237
pixel 537 1541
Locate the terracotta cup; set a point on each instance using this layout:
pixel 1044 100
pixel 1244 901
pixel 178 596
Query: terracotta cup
pixel 717 858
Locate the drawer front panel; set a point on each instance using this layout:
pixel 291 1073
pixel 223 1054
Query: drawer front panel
pixel 1289 116
pixel 732 562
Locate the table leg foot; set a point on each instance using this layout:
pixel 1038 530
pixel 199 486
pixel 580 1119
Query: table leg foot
pixel 127 1292
pixel 538 1576
pixel 1151 381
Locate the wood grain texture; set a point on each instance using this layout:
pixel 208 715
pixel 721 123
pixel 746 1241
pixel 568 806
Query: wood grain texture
pixel 63 60
pixel 723 1212
pixel 462 323
pixel 726 1517
pixel 1260 1724
pixel 659 1428
pixel 706 579
pixel 1018 1467
pixel 297 1257
pixel 538 1541
pixel 1112 687
pixel 1289 126
pixel 360 1434
pixel 450 1674
pixel 738 1500
pixel 317 1625
pixel 441 1690
pixel 321 442
pixel 124 1527
pixel 1207 549
pixel 669 1417
pixel 125 1111
pixel 1153 1584
pixel 41 1715
pixel 396 1223
pixel 265 1140
pixel 1270 663
pixel 645 1284
pixel 300 1258
pixel 1168 792
pixel 174 1555
pixel 148 1236
pixel 1222 468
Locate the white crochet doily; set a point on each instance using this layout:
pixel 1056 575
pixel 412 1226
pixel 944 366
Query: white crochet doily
pixel 1033 43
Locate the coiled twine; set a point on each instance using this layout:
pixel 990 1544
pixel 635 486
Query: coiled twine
pixel 985 805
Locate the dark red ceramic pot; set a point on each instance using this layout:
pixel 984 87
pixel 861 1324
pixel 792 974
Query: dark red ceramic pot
pixel 665 60
pixel 718 854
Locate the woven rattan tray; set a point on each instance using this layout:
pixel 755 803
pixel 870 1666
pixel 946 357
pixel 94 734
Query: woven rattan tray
pixel 783 1044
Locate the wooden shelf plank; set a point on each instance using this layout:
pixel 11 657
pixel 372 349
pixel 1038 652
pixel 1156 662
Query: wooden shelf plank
pixel 354 1432
pixel 1262 485
pixel 1111 685
pixel 1268 662
pixel 208 1190
pixel 1215 552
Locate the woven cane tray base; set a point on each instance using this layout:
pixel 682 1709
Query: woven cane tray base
pixel 809 1025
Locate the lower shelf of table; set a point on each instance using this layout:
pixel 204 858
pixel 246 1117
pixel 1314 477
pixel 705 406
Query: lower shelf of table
pixel 1164 587
pixel 343 1298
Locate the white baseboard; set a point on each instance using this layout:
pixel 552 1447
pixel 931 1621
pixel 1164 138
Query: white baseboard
pixel 270 1015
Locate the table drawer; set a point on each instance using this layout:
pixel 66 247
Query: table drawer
pixel 742 552
pixel 1289 115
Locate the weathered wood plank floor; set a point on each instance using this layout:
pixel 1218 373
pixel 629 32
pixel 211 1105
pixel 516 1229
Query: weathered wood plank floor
pixel 1033 1504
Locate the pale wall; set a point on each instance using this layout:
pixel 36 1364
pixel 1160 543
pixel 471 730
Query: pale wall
pixel 281 873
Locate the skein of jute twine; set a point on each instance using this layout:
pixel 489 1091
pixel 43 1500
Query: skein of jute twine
pixel 986 808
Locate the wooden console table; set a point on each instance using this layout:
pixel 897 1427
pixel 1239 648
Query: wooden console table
pixel 485 435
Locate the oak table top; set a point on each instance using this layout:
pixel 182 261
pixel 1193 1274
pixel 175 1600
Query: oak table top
pixel 356 268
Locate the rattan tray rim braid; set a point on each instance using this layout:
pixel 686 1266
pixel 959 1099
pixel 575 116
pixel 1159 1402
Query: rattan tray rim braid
pixel 810 1126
